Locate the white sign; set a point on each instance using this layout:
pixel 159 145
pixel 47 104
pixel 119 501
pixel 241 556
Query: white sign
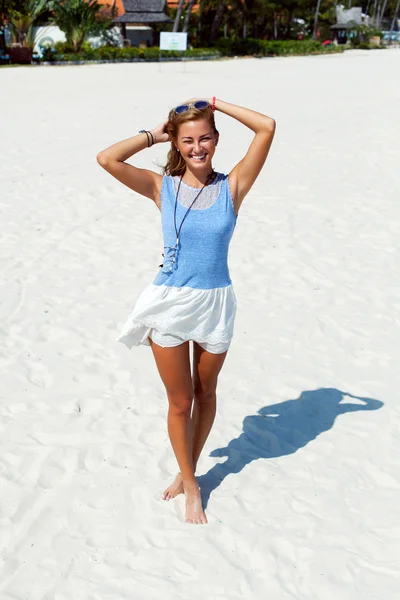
pixel 173 41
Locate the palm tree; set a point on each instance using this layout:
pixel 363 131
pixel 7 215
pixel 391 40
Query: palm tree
pixel 394 18
pixel 314 35
pixel 178 16
pixel 188 14
pixel 217 20
pixel 381 13
pixel 22 23
pixel 81 18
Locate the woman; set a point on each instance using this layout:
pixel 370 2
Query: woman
pixel 191 299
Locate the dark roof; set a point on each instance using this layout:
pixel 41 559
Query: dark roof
pixel 349 25
pixel 144 5
pixel 143 17
pixel 143 11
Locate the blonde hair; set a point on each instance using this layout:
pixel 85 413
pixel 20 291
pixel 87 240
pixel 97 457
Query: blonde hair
pixel 176 165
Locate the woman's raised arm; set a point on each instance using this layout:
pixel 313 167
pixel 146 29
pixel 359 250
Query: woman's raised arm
pixel 244 174
pixel 143 181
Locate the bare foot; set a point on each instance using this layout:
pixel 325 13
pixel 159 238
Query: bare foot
pixel 194 509
pixel 174 489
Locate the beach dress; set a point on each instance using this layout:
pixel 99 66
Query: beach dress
pixel 192 297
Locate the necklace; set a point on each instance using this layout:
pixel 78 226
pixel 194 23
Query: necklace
pixel 178 231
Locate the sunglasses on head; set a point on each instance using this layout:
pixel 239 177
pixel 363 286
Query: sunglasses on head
pixel 200 105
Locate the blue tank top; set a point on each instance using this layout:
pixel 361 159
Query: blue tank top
pixel 201 260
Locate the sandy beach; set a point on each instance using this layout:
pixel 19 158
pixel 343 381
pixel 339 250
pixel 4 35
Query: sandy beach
pixel 301 472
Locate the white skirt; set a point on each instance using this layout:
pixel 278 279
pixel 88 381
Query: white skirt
pixel 204 316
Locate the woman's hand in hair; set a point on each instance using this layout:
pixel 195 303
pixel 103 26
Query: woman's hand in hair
pixel 160 134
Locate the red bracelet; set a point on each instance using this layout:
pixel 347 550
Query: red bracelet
pixel 213 103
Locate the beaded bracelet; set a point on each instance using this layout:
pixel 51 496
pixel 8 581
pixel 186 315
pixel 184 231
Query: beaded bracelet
pixel 149 136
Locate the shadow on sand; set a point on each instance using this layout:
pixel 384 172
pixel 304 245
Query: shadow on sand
pixel 282 429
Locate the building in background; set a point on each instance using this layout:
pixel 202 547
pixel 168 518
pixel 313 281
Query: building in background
pixel 347 22
pixel 136 17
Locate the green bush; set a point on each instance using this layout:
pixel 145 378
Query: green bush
pixel 61 47
pixel 249 46
pixel 63 52
pixel 240 47
pixel 360 36
pixel 223 47
pixel 365 46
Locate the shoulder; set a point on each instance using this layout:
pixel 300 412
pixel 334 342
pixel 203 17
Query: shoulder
pixel 228 182
pixel 168 182
pixel 166 186
pixel 220 178
pixel 223 179
pixel 232 184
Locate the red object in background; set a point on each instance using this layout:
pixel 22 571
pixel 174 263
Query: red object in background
pixel 327 43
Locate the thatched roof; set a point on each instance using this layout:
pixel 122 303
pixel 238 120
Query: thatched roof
pixel 143 11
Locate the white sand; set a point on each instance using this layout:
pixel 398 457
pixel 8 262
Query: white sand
pixel 84 450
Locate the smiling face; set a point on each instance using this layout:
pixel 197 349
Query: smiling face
pixel 196 142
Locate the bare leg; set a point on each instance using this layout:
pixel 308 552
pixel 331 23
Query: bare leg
pixel 174 367
pixel 206 368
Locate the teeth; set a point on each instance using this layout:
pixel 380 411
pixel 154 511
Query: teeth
pixel 199 157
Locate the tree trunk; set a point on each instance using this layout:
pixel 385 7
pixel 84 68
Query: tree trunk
pixel 394 19
pixel 200 13
pixel 217 20
pixel 187 16
pixel 374 12
pixel 289 22
pixel 178 16
pixel 2 28
pixel 381 13
pixel 314 35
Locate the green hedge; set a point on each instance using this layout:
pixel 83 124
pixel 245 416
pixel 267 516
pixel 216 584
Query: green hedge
pixel 255 47
pixel 110 53
pixel 223 47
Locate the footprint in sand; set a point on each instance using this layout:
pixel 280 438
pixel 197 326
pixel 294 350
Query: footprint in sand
pixel 92 459
pixel 39 375
pixel 57 468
